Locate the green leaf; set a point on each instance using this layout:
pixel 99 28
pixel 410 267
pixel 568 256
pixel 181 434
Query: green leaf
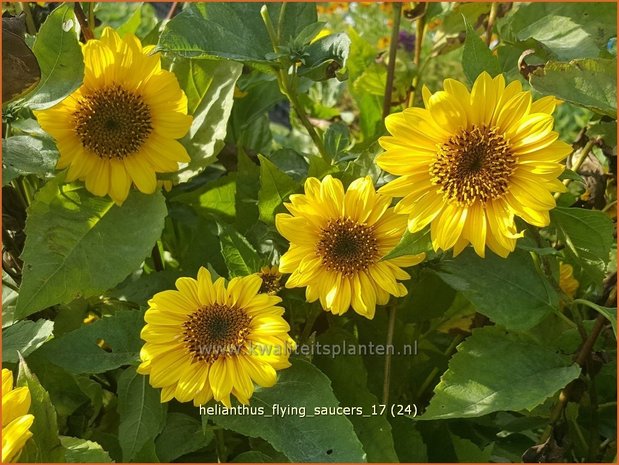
pixel 45 445
pixel 209 86
pixel 588 237
pixel 589 83
pixel 121 333
pixel 275 187
pixel 605 130
pixel 322 438
pixel 83 451
pixel 467 451
pixel 477 57
pixel 60 57
pixel 412 244
pixel 22 155
pixel 240 256
pixel 562 31
pixel 232 31
pixel 409 443
pixel 349 377
pixel 337 139
pixel 326 58
pixel 247 187
pixel 181 435
pixel 252 456
pixel 508 291
pixel 70 237
pixel 142 415
pixel 214 198
pixel 24 336
pixel 493 371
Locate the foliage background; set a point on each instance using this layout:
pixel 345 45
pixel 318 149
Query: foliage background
pixel 500 335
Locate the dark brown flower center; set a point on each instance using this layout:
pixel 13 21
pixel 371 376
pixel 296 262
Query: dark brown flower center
pixel 270 282
pixel 215 331
pixel 347 247
pixel 474 165
pixel 112 122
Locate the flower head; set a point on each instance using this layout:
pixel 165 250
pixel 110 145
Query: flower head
pixel 119 127
pixel 207 340
pixel 16 421
pixel 337 244
pixel 470 161
pixel 271 279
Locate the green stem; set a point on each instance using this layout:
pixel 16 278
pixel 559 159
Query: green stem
pixel 287 83
pixel 30 26
pixel 393 48
pixel 420 32
pixel 157 257
pixel 435 370
pixel 494 8
pixel 584 153
pixel 10 285
pixel 390 332
pixel 309 324
pixel 220 446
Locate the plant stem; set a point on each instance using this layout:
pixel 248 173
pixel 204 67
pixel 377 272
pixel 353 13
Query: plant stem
pixel 30 26
pixel 171 11
pixel 390 332
pixel 581 359
pixel 584 153
pixel 286 83
pixel 435 370
pixel 10 285
pixel 91 13
pixel 393 48
pixel 420 32
pixel 220 446
pixel 156 256
pixel 81 18
pixel 494 8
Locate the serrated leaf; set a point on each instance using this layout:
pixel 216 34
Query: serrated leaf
pixel 24 336
pixel 323 438
pixel 22 155
pixel 232 31
pixel 45 445
pixel 589 83
pixel 240 256
pixel 588 236
pixel 142 415
pixel 70 236
pixel 477 57
pixel 494 370
pixel 121 334
pixel 209 86
pixel 275 187
pixel 83 451
pixel 337 139
pixel 508 291
pixel 60 57
pixel 181 435
pixel 326 58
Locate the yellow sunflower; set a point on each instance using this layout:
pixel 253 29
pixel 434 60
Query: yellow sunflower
pixel 271 279
pixel 470 161
pixel 16 421
pixel 207 340
pixel 120 126
pixel 337 244
pixel 567 282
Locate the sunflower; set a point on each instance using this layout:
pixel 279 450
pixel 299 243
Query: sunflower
pixel 337 244
pixel 208 340
pixel 567 283
pixel 470 161
pixel 16 421
pixel 271 279
pixel 120 126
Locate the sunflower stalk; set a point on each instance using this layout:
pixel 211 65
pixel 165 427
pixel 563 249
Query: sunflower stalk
pixel 287 81
pixel 393 48
pixel 81 19
pixel 420 31
pixel 584 153
pixel 390 332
